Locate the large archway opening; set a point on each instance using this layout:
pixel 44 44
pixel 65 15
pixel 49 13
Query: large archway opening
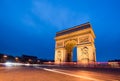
pixel 74 58
pixel 69 46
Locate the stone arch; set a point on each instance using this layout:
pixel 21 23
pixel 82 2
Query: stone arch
pixel 81 36
pixel 70 44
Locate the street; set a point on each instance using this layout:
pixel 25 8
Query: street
pixel 54 74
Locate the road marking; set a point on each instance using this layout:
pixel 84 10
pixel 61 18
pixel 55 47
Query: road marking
pixel 78 76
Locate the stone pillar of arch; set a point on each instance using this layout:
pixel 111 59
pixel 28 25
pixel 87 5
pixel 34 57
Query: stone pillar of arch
pixel 60 55
pixel 82 37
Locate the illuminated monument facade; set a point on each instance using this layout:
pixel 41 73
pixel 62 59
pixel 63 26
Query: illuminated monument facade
pixel 82 37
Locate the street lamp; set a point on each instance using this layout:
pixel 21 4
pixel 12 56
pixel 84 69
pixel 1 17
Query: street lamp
pixel 16 59
pixel 29 60
pixel 38 61
pixel 4 57
pixel 49 62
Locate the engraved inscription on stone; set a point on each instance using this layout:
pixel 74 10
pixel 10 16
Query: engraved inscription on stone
pixel 83 39
pixel 59 44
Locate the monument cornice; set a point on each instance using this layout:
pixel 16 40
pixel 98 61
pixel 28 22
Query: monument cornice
pixel 77 33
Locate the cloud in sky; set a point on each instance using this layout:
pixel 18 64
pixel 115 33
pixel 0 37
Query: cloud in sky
pixel 57 16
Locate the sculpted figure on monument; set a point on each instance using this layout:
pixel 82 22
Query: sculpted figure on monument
pixel 59 56
pixel 84 39
pixel 84 51
pixel 85 54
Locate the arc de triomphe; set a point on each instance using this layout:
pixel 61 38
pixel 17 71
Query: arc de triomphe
pixel 82 37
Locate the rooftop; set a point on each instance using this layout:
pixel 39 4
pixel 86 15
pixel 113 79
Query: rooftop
pixel 73 29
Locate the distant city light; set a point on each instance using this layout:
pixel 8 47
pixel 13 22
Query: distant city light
pixel 5 56
pixel 49 62
pixel 9 64
pixel 13 64
pixel 16 58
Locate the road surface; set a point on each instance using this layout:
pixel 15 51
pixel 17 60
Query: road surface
pixel 54 74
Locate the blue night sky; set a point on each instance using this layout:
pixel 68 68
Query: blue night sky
pixel 29 26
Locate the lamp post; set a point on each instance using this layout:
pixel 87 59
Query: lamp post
pixel 38 61
pixel 16 59
pixel 5 57
pixel 30 61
